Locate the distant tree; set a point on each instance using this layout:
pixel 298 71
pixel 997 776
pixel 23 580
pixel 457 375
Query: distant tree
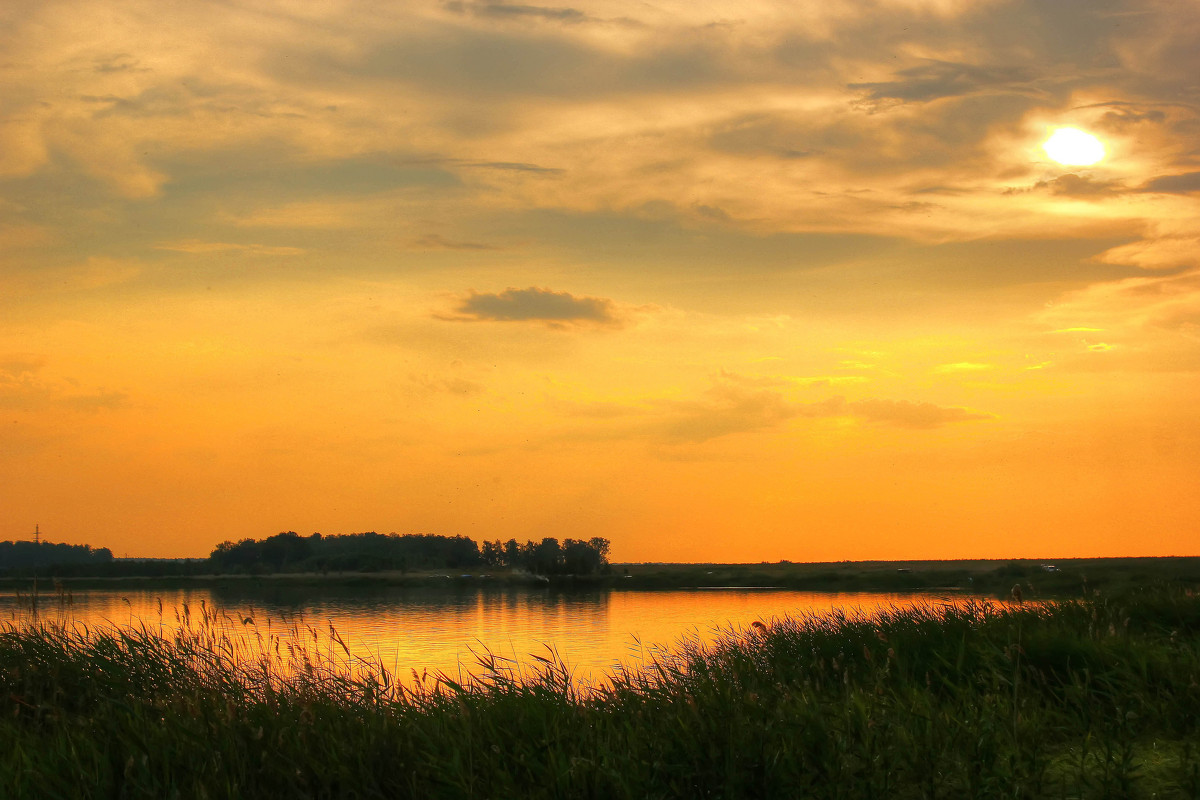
pixel 512 554
pixel 579 557
pixel 601 546
pixel 547 557
pixel 278 551
pixel 492 553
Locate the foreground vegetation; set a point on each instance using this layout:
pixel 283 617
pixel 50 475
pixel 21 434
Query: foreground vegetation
pixel 1093 698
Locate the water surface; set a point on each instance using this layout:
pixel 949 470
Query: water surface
pixel 444 629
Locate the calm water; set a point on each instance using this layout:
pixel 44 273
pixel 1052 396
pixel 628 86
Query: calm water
pixel 440 629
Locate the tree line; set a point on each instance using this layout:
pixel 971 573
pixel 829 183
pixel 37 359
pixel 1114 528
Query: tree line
pixel 32 555
pixel 291 552
pixel 369 552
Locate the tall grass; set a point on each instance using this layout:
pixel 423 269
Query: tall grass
pixel 1091 699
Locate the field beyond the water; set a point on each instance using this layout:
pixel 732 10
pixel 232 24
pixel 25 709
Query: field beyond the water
pixel 1038 578
pixel 1098 697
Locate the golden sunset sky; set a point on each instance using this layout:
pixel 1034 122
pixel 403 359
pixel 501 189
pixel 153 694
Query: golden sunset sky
pixel 717 281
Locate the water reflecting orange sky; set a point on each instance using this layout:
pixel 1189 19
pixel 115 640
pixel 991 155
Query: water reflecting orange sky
pixel 441 630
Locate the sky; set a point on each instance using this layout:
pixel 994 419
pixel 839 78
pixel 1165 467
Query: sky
pixel 716 281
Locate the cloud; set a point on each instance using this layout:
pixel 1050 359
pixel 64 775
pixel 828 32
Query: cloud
pixel 433 241
pixel 730 409
pixel 198 246
pixel 737 404
pixel 961 366
pixel 1151 324
pixel 1174 184
pixel 1074 185
pixel 513 166
pixel 23 389
pixel 939 79
pixel 907 414
pixel 96 272
pixel 316 215
pixel 1122 116
pixel 536 305
pixel 424 384
pixel 1170 302
pixel 1156 252
pixel 20 237
pixel 513 11
pixel 15 365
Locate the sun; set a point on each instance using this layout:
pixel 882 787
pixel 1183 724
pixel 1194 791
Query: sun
pixel 1073 147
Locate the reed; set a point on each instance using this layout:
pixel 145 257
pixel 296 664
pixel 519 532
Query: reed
pixel 1082 699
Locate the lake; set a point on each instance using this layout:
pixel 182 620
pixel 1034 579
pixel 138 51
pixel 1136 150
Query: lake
pixel 440 629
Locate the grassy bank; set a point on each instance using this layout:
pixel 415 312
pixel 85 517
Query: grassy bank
pixel 1072 577
pixel 1094 698
pixel 1037 577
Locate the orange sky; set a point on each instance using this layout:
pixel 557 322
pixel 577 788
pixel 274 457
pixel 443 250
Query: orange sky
pixel 718 281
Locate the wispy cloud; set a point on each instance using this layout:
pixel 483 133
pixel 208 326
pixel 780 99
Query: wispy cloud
pixel 433 241
pixel 23 388
pixel 962 366
pixel 908 414
pixel 198 246
pixel 735 405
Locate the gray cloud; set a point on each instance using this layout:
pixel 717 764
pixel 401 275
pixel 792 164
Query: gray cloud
pixel 951 133
pixel 937 79
pixel 433 241
pixel 1122 116
pixel 765 134
pixel 513 166
pixel 1073 185
pixel 536 305
pixel 513 11
pixel 503 63
pixel 664 240
pixel 1175 184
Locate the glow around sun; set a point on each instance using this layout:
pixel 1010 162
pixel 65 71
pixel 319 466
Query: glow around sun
pixel 1073 147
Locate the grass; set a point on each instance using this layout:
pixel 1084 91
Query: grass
pixel 1096 698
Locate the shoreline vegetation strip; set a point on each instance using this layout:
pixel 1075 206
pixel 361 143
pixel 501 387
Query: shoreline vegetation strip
pixel 1097 697
pixel 1070 578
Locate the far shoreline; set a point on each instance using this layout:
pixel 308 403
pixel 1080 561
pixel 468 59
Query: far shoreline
pixel 1037 577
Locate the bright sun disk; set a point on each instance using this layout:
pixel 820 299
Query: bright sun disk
pixel 1073 147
